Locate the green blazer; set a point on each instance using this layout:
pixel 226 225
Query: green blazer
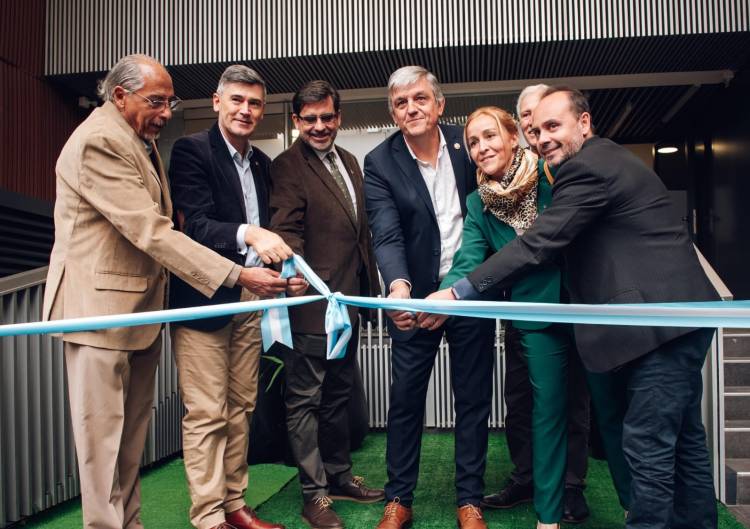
pixel 484 235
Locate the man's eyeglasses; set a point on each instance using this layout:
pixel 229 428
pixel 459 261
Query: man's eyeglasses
pixel 313 119
pixel 158 104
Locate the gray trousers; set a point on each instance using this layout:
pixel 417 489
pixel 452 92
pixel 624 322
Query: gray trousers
pixel 316 397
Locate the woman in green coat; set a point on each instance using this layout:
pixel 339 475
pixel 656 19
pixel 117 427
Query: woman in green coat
pixel 513 188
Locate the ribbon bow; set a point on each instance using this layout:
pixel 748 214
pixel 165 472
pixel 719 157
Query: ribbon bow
pixel 275 321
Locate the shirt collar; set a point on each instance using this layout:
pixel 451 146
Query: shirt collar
pixel 322 154
pixel 441 149
pixel 149 147
pixel 233 151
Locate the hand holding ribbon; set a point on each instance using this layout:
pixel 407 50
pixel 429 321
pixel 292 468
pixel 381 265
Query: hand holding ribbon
pixel 275 322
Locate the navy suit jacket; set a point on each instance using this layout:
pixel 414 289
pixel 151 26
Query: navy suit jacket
pixel 209 208
pixel 405 232
pixel 612 221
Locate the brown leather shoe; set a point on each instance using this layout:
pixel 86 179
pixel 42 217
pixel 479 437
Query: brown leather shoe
pixel 317 513
pixel 470 517
pixel 395 516
pixel 246 518
pixel 356 490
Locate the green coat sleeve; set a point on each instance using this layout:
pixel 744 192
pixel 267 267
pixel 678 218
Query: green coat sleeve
pixel 474 243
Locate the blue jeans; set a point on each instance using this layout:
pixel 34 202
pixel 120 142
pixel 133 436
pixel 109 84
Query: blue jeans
pixel 664 440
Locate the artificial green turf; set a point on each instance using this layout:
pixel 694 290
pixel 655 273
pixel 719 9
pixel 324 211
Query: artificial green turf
pixel 165 498
pixel 434 498
pixel 166 501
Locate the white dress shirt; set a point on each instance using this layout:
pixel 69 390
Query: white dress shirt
pixel 441 184
pixel 250 198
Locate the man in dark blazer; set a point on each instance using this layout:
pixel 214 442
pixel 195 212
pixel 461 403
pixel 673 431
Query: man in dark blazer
pixel 611 220
pixel 416 183
pixel 318 208
pixel 220 186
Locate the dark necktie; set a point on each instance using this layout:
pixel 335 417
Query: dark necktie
pixel 339 179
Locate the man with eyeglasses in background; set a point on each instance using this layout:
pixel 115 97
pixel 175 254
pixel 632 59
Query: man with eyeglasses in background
pixel 113 244
pixel 318 208
pixel 221 184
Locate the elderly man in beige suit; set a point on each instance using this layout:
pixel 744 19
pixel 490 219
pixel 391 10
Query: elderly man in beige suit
pixel 114 243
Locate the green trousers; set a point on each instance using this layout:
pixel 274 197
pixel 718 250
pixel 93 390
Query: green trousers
pixel 546 352
pixel 547 356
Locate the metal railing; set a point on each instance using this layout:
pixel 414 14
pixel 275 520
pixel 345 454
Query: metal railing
pixel 713 390
pixel 37 453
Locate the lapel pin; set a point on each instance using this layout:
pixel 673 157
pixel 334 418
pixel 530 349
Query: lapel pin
pixel 457 146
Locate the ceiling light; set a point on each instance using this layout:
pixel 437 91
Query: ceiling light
pixel 667 150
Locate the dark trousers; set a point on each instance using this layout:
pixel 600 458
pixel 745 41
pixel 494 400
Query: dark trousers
pixel 316 398
pixel 471 359
pixel 664 440
pixel 519 401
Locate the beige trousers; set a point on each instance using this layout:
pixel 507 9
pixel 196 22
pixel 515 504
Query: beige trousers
pixel 111 397
pixel 218 375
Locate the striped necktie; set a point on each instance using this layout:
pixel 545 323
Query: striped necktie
pixel 339 179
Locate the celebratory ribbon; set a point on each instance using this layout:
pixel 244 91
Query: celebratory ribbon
pixel 274 325
pixel 339 330
pixel 337 324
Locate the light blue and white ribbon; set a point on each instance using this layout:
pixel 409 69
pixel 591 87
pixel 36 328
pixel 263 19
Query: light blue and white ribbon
pixel 274 325
pixel 339 330
pixel 337 324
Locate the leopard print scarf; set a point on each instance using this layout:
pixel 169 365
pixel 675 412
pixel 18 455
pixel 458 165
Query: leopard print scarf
pixel 512 199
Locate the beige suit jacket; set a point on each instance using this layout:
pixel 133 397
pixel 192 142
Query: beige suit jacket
pixel 114 236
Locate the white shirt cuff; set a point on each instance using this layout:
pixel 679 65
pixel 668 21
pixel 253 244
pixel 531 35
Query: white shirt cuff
pixel 404 280
pixel 241 245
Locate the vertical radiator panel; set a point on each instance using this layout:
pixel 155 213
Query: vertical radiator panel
pixel 375 364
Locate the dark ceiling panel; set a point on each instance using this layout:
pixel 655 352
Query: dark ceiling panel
pixel 643 122
pixel 473 63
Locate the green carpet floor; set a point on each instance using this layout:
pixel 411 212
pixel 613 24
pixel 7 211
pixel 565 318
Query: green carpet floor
pixel 166 501
pixel 165 498
pixel 434 498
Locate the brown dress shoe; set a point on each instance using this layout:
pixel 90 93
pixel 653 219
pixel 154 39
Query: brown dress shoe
pixel 356 490
pixel 470 517
pixel 317 513
pixel 395 516
pixel 246 518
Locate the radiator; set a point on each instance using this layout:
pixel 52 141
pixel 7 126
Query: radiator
pixel 375 365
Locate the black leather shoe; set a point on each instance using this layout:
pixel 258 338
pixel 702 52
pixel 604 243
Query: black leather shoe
pixel 356 490
pixel 317 513
pixel 513 494
pixel 575 509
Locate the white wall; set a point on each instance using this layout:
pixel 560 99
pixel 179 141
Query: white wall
pixel 359 142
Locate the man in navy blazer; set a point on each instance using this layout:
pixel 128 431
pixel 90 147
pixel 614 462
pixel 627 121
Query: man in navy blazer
pixel 220 187
pixel 416 184
pixel 612 222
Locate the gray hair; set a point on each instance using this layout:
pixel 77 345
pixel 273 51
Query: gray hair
pixel 408 75
pixel 239 73
pixel 127 73
pixel 528 91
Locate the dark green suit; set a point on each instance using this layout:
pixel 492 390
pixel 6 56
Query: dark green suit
pixel 546 347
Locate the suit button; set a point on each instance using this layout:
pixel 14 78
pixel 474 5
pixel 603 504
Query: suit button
pixel 435 252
